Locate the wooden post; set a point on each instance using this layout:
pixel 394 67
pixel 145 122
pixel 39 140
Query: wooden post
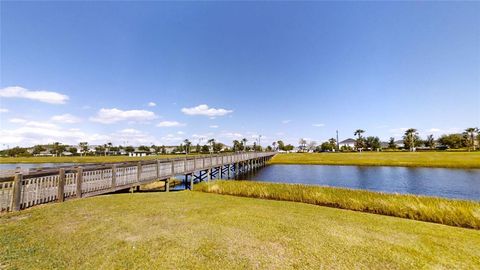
pixel 158 169
pixel 61 185
pixel 167 185
pixel 172 169
pixel 191 182
pixel 79 182
pixel 139 171
pixel 114 176
pixel 17 192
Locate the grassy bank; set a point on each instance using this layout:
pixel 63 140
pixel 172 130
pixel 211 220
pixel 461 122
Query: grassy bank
pixel 195 230
pixel 79 159
pixel 444 211
pixel 417 159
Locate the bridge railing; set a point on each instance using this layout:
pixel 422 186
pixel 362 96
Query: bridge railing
pixel 38 187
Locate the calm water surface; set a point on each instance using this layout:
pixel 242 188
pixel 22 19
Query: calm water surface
pixel 450 183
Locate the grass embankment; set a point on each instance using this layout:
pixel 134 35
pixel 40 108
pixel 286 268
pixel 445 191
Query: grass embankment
pixel 444 211
pixel 80 159
pixel 195 230
pixel 408 159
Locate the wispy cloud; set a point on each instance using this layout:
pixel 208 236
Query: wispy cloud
pixel 170 124
pixel 109 116
pixel 286 121
pixel 152 104
pixel 205 110
pixel 41 95
pixel 318 125
pixel 213 126
pixel 66 119
pixel 3 110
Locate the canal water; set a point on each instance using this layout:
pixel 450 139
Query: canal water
pixel 440 182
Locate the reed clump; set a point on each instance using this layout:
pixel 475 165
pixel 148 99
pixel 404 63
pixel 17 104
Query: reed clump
pixel 451 212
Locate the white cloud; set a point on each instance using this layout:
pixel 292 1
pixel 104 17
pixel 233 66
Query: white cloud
pixel 203 109
pixel 318 125
pixel 3 110
pixel 108 116
pixel 152 104
pixel 213 126
pixel 231 135
pixel 434 130
pixel 66 119
pixel 170 124
pixel 180 132
pixel 42 96
pixel 17 120
pixel 286 121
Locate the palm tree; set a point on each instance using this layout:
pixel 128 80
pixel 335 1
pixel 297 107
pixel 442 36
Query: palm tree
pixel 430 141
pixel 236 145
pixel 359 133
pixel 471 132
pixel 244 143
pixel 410 138
pixel 359 143
pixel 274 144
pixel 302 142
pixel 187 145
pixel 212 143
pixel 83 147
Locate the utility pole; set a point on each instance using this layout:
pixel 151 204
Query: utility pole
pixel 337 141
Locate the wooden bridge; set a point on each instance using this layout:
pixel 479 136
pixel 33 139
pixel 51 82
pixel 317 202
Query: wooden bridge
pixel 59 184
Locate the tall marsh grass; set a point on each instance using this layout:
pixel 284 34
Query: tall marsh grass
pixel 431 209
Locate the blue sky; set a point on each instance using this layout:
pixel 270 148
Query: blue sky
pixel 78 71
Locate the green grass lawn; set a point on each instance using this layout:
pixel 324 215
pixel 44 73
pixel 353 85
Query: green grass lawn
pixel 198 230
pixel 79 159
pixel 409 159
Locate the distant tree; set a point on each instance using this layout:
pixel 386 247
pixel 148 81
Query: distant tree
pixel 411 139
pixel 311 145
pixel 17 152
pixel 288 147
pixel 360 142
pixel 83 147
pixel 430 142
pixel 205 149
pixel 391 143
pixel 274 145
pixel 58 149
pixel 237 146
pixel 37 149
pixel 198 148
pixel 129 149
pixel 163 149
pixel 244 144
pixel 471 133
pixel 99 150
pixel 453 141
pixel 269 148
pixel 373 143
pixel 73 150
pixel 333 143
pixel 326 146
pixel 281 145
pixel 187 145
pixel 144 148
pixel 217 147
pixel 302 144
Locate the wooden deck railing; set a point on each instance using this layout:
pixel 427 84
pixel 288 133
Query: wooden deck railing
pixel 59 184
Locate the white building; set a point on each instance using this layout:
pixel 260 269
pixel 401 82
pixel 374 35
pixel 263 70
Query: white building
pixel 347 143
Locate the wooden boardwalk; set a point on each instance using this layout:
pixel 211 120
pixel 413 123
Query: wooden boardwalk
pixel 59 184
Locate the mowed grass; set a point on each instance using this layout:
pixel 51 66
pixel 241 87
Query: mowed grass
pixel 82 159
pixel 195 230
pixel 444 211
pixel 407 159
